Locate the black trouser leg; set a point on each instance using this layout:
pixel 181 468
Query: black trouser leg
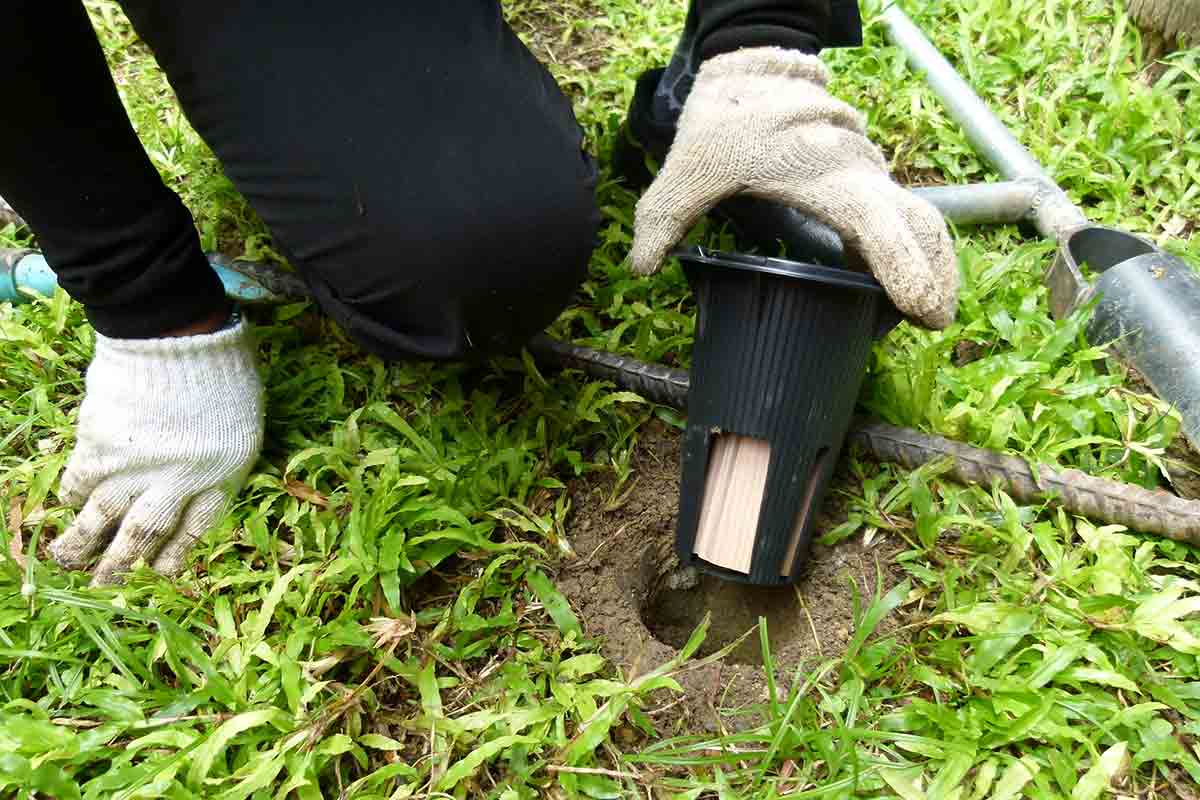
pixel 418 166
pixel 70 164
pixel 415 162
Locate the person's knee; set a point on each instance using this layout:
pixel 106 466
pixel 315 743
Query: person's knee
pixel 454 283
pixel 524 274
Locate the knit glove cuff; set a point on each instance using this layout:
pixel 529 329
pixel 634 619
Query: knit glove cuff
pixel 767 61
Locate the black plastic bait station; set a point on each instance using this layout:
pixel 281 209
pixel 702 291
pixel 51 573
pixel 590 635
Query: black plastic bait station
pixel 780 354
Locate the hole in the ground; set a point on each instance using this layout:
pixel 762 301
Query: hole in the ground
pixel 672 612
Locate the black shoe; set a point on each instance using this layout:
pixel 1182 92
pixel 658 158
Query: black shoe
pixel 770 228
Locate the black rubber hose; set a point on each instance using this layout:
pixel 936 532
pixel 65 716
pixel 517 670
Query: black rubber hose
pixel 1077 492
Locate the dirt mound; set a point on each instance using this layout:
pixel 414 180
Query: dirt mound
pixel 632 594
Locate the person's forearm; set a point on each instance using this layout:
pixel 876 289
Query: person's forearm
pixel 70 164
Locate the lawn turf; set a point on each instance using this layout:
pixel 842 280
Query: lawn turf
pixel 376 618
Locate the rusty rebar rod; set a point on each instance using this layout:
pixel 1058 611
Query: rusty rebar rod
pixel 1098 499
pixel 1077 492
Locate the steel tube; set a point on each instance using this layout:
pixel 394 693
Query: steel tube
pixel 983 129
pixel 1053 214
pixel 983 203
pixel 1148 301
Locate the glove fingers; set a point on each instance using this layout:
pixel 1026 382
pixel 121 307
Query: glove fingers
pixel 680 195
pixel 149 522
pixel 929 227
pixel 94 524
pixel 200 515
pixel 78 481
pixel 902 238
pixel 930 294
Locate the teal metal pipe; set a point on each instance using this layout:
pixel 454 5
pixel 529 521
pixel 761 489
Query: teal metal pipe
pixel 24 273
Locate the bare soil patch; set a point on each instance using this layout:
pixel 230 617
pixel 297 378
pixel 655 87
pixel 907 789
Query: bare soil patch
pixel 631 594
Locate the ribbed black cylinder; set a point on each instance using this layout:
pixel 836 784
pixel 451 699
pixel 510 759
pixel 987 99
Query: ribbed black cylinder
pixel 780 353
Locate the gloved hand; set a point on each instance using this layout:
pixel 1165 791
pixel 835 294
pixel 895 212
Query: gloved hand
pixel 759 121
pixel 168 430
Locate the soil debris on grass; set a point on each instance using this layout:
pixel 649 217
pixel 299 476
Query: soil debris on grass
pixel 1181 459
pixel 631 593
pixel 1183 466
pixel 968 351
pixel 559 35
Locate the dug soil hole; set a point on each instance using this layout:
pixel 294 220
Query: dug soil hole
pixel 631 593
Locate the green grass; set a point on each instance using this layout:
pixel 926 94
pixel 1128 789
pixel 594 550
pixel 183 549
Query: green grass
pixel 377 618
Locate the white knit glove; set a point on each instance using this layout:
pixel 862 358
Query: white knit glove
pixel 759 121
pixel 168 431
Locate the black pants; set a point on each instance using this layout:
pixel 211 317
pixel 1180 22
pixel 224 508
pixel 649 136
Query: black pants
pixel 414 162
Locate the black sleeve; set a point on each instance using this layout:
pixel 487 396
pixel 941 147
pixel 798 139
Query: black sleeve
pixel 71 165
pixel 721 26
